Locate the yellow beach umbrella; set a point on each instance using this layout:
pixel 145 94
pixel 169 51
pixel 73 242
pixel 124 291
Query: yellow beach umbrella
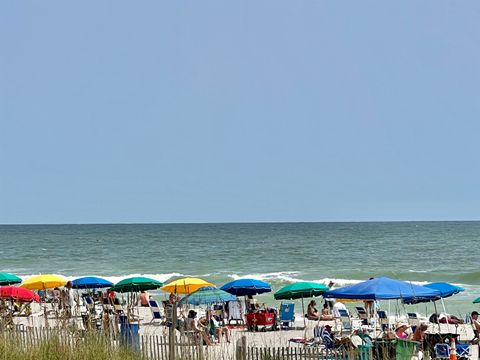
pixel 185 285
pixel 42 282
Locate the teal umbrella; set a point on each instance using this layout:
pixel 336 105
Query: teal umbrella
pixel 9 279
pixel 477 300
pixel 136 284
pixel 207 295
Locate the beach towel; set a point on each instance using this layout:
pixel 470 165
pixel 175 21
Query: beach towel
pixel 234 310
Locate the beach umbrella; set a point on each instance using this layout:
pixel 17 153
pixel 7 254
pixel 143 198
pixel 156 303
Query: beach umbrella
pixel 9 279
pixel 185 285
pixel 383 288
pixel 244 287
pixel 445 289
pixel 136 284
pixel 300 290
pixel 42 282
pixel 18 294
pixel 207 295
pixel 91 282
pixel 477 300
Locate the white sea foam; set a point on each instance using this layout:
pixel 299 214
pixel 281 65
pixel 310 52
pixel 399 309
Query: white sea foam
pixel 115 279
pixel 285 276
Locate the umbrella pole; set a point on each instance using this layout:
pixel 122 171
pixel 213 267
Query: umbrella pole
pixel 303 314
pixel 444 310
pixel 436 312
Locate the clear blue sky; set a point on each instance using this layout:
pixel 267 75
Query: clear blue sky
pixel 206 111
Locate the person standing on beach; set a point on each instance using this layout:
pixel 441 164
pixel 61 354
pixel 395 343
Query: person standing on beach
pixel 144 298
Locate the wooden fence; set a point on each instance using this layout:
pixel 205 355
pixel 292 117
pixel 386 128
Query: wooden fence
pixel 157 347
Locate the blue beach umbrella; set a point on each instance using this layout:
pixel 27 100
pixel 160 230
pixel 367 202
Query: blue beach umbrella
pixel 383 288
pixel 90 282
pixel 445 289
pixel 207 295
pixel 244 287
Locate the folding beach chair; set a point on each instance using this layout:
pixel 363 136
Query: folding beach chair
pixel 362 315
pixel 155 309
pixel 413 320
pixel 383 320
pixel 442 351
pixel 345 321
pixel 287 315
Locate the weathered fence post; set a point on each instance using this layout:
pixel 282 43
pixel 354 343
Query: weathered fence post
pixel 241 349
pixel 171 333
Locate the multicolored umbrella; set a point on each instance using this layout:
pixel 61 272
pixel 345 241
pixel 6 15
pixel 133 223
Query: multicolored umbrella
pixel 244 287
pixel 136 284
pixel 18 294
pixel 185 285
pixel 300 290
pixel 45 281
pixel 207 295
pixel 91 282
pixel 9 279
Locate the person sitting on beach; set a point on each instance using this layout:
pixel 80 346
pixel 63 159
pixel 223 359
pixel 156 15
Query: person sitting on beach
pixel 251 303
pixel 144 298
pixel 475 324
pixel 400 331
pixel 214 328
pixel 419 333
pixel 326 313
pixel 191 326
pixel 312 312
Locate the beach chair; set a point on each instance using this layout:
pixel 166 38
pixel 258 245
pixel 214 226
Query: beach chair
pixel 155 309
pixel 442 351
pixel 362 314
pixel 383 320
pixel 345 321
pixel 287 315
pixel 413 320
pixel 235 312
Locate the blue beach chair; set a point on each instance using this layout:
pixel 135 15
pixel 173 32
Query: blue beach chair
pixel 287 315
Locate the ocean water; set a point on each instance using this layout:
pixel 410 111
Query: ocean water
pixel 278 253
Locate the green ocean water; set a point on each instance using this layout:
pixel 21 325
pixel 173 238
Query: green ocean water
pixel 278 253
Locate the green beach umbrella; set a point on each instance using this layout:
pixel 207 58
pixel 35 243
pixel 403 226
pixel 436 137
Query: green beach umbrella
pixel 136 284
pixel 9 279
pixel 299 290
pixel 476 301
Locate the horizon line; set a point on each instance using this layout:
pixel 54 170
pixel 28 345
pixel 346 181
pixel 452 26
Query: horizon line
pixel 238 222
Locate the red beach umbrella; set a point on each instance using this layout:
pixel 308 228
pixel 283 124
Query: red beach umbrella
pixel 18 294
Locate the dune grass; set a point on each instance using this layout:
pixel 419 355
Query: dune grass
pixel 88 348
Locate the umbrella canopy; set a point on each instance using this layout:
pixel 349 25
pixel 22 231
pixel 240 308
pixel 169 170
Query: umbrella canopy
pixel 90 282
pixel 207 295
pixel 136 284
pixel 299 290
pixel 185 285
pixel 383 288
pixel 18 294
pixel 445 289
pixel 9 279
pixel 45 281
pixel 477 300
pixel 243 287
